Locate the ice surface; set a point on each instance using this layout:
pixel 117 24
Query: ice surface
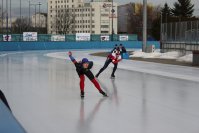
pixel 43 93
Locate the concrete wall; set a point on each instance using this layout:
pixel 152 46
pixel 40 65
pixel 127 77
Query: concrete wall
pixel 22 46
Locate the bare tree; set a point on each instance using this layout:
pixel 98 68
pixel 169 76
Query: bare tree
pixel 23 24
pixel 2 18
pixel 135 17
pixel 64 22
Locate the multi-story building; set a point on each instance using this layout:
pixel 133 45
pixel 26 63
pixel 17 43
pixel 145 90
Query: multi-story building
pixel 125 14
pixel 39 20
pixel 93 17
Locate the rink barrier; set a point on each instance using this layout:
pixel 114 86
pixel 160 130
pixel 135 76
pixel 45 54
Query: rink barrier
pixel 23 46
pixel 8 123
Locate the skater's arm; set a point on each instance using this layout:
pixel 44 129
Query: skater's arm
pixel 72 58
pixel 117 59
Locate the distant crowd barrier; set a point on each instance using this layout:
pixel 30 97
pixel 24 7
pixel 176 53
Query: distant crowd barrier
pixel 33 36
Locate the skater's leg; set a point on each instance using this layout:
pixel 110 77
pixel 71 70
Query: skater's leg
pixel 108 61
pixel 94 81
pixel 114 69
pixel 82 79
pixel 90 75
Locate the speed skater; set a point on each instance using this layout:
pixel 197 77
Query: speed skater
pixel 83 68
pixel 113 57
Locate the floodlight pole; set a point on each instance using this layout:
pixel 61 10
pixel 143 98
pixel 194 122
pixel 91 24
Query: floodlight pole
pixel 144 26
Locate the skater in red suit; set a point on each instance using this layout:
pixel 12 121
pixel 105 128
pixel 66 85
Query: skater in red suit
pixel 114 57
pixel 83 68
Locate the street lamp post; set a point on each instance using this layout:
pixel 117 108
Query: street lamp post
pixel 144 25
pixel 2 16
pixel 112 32
pixel 7 20
pixel 39 4
pixel 39 13
pixel 29 16
pixel 20 17
pixel 10 16
pixel 161 30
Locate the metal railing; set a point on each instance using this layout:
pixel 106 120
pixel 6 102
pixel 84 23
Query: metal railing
pixel 180 32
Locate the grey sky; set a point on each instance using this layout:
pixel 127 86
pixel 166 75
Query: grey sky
pixel 15 5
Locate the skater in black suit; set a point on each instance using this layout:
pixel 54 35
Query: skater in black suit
pixel 83 68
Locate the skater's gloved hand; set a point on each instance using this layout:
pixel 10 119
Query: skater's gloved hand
pixel 69 53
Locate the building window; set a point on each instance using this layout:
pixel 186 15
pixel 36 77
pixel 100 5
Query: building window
pixel 93 9
pixel 72 0
pixel 104 32
pixel 93 32
pixel 93 26
pixel 104 26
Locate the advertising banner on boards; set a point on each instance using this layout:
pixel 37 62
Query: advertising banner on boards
pixel 29 36
pixel 105 38
pixel 83 36
pixel 7 38
pixel 58 38
pixel 124 38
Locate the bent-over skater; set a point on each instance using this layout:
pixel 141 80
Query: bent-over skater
pixel 83 68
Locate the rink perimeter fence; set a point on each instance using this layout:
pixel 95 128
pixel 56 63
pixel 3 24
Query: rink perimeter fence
pixel 69 38
pixel 59 42
pixel 180 36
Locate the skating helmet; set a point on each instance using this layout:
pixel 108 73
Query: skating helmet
pixel 85 60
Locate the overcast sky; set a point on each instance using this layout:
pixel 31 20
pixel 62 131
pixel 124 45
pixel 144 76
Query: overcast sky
pixel 15 5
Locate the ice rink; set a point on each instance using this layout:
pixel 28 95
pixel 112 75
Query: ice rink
pixel 43 93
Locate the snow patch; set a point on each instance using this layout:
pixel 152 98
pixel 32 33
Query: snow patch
pixel 168 55
pixel 186 58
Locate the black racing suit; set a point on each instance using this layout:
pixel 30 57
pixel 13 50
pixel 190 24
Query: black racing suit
pixel 82 71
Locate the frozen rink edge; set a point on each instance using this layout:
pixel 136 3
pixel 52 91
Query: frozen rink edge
pixel 173 71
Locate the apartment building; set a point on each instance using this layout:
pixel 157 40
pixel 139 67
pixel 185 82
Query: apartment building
pixel 39 20
pixel 93 17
